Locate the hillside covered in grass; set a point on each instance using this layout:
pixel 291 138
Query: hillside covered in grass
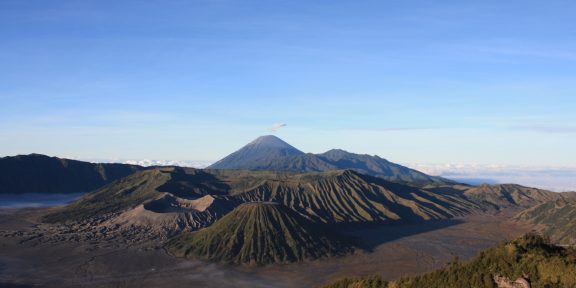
pixel 557 220
pixel 259 233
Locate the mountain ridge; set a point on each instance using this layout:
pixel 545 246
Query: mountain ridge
pixel 172 197
pixel 513 195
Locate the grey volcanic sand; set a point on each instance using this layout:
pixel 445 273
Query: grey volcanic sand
pixel 395 251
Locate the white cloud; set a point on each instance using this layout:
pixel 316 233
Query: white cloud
pixel 545 177
pixel 554 178
pixel 181 163
pixel 277 126
pixel 148 162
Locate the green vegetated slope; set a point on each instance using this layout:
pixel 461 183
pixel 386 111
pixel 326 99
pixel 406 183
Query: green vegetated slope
pixel 259 233
pixel 139 188
pixel 557 219
pixel 37 173
pixel 118 196
pixel 511 195
pixel 531 256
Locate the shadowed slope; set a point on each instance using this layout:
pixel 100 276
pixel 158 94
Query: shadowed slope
pixel 37 173
pixel 259 233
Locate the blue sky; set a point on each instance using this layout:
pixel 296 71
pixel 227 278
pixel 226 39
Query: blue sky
pixel 412 81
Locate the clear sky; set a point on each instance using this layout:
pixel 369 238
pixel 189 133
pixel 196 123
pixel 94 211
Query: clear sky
pixel 411 81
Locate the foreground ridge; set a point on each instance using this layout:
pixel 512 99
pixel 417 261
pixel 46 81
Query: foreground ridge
pixel 530 259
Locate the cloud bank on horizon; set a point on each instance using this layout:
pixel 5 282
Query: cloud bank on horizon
pixel 152 162
pixel 559 179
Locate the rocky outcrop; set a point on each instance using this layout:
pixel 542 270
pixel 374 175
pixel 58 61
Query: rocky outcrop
pixel 505 282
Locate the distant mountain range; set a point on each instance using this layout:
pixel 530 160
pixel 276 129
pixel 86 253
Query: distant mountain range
pixel 37 173
pixel 272 153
